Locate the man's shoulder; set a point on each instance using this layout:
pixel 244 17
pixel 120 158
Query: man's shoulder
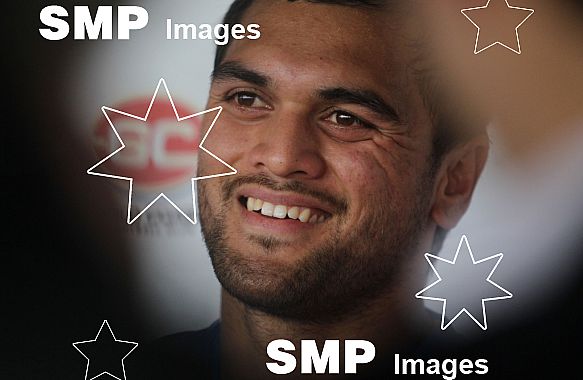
pixel 173 356
pixel 190 342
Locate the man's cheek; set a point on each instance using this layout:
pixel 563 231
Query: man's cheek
pixel 206 164
pixel 228 141
pixel 361 174
pixel 377 184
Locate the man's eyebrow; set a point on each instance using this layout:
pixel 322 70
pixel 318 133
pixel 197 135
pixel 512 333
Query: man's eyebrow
pixel 235 70
pixel 365 98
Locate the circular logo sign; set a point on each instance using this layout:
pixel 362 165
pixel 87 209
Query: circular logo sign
pixel 159 152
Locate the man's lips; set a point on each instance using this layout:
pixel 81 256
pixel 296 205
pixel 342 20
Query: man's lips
pixel 283 206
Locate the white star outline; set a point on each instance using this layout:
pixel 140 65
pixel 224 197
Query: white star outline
pixel 94 340
pixel 105 109
pixel 476 51
pixel 464 240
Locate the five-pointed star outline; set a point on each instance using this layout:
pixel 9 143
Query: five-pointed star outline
pixel 464 241
pixel 519 51
pixel 105 323
pixel 105 111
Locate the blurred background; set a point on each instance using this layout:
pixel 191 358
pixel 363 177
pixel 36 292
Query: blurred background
pixel 176 287
pixel 73 261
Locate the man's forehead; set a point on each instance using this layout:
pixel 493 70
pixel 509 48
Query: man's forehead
pixel 349 41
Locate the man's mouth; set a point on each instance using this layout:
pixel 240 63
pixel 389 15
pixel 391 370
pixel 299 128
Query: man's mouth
pixel 278 211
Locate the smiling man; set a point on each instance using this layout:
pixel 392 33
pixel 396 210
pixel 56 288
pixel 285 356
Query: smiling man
pixel 350 167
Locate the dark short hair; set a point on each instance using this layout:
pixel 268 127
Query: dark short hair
pixel 238 8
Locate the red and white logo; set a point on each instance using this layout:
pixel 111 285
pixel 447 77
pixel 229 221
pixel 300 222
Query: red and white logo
pixel 159 152
pixel 156 152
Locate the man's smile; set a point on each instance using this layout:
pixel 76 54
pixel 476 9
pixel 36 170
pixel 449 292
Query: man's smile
pixel 303 214
pixel 283 212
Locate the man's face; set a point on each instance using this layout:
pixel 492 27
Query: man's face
pixel 323 119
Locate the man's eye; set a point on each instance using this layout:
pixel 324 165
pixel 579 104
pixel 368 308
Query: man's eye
pixel 248 99
pixel 345 119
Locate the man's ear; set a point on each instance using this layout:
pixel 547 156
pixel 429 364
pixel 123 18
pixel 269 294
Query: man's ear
pixel 457 179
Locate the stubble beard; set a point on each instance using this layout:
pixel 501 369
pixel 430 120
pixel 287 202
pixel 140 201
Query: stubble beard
pixel 334 281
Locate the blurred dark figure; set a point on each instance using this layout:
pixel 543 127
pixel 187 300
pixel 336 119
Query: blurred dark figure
pixel 66 262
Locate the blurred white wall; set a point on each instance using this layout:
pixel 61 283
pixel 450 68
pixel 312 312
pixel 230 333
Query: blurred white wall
pixel 175 280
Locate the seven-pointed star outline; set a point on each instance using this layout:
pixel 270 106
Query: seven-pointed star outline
pixel 462 272
pixel 519 15
pixel 108 345
pixel 105 111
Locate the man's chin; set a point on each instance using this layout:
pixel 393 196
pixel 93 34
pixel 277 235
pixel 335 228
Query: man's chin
pixel 289 283
pixel 269 244
pixel 258 276
pixel 271 253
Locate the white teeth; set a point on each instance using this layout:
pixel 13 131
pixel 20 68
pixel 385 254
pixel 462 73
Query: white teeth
pixel 257 204
pixel 280 212
pixel 267 209
pixel 293 213
pixel 305 215
pixel 250 203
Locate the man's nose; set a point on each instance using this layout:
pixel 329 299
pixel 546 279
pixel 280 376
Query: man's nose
pixel 288 147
